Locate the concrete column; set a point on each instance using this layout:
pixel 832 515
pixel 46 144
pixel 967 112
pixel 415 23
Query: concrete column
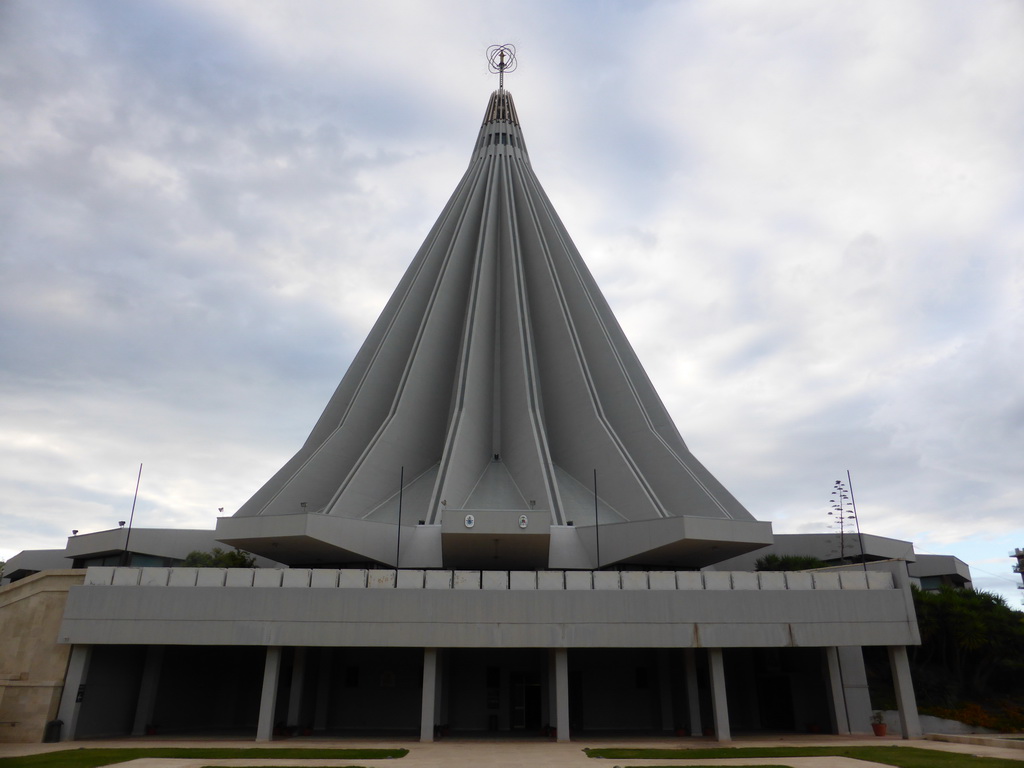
pixel 665 690
pixel 441 689
pixel 692 691
pixel 429 696
pixel 552 708
pixel 719 702
pixel 855 687
pixel 905 699
pixel 562 694
pixel 74 690
pixel 268 698
pixel 295 690
pixel 840 718
pixel 323 690
pixel 147 689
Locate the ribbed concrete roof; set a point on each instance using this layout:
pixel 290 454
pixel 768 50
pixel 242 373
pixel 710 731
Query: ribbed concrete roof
pixel 500 108
pixel 497 382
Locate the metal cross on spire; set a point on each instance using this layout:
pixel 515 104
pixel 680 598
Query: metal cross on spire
pixel 501 59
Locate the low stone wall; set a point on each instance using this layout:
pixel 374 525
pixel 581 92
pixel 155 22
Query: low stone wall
pixel 935 725
pixel 32 664
pixel 1002 740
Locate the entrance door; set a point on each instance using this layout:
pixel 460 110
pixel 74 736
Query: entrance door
pixel 775 702
pixel 525 705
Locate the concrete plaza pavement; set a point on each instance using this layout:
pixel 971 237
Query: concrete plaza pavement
pixel 516 753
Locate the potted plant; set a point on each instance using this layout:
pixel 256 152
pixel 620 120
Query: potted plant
pixel 878 723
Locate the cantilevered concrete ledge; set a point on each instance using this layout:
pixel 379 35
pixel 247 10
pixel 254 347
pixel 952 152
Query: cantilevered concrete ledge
pixel 687 541
pixel 313 538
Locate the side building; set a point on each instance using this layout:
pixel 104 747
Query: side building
pixel 141 547
pixel 926 572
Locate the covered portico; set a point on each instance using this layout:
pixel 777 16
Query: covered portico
pixel 466 648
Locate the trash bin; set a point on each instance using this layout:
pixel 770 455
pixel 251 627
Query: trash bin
pixel 52 732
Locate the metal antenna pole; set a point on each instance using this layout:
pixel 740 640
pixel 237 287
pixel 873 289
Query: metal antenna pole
pixel 398 548
pixel 856 519
pixel 131 517
pixel 597 523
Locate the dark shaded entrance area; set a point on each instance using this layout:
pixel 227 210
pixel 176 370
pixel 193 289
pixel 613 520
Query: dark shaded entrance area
pixel 345 691
pixel 494 691
pixel 208 689
pixel 778 689
pixel 195 689
pixel 624 690
pixel 110 693
pixel 181 690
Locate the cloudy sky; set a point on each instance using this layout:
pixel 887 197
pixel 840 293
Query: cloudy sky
pixel 809 218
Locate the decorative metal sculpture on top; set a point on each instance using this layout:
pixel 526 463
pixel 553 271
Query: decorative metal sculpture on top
pixel 501 59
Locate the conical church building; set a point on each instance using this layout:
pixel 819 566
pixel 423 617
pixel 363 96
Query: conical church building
pixel 494 526
pixel 497 413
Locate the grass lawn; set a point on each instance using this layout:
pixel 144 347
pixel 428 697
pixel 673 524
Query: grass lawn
pixel 91 758
pixel 902 757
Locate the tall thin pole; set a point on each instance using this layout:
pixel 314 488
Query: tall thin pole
pixel 131 517
pixel 597 523
pixel 856 519
pixel 398 549
pixel 842 537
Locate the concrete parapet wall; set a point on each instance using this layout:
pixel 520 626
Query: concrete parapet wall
pixel 526 609
pixel 489 580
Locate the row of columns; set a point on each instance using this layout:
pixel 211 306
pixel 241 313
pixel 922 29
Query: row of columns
pixel 845 674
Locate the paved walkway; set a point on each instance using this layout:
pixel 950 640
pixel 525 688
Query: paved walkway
pixel 514 753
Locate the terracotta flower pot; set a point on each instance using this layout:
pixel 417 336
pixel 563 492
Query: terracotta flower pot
pixel 879 728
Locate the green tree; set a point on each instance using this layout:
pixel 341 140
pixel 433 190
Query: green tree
pixel 788 563
pixel 970 640
pixel 219 558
